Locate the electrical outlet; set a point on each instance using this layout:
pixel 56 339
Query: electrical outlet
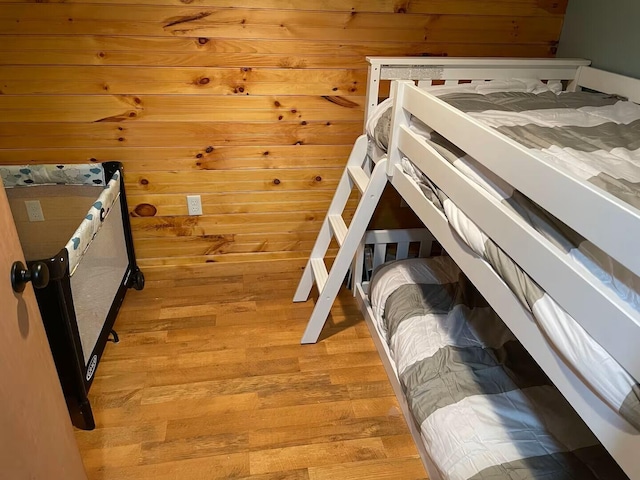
pixel 194 204
pixel 34 210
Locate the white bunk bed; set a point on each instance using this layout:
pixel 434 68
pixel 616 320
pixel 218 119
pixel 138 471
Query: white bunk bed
pixel 608 222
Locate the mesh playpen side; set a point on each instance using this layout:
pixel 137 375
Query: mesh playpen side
pixel 73 221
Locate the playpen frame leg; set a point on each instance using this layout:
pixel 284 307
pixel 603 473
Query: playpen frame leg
pixel 116 338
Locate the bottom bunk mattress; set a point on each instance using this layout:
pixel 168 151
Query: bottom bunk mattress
pixel 484 408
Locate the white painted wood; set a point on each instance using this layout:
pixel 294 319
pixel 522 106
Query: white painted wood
pixel 620 439
pixel 402 250
pixel 498 62
pixel 451 75
pixel 345 255
pixel 573 201
pixel 400 117
pixel 373 89
pixel 546 264
pixel 608 82
pixel 320 273
pixel 338 227
pixel 389 367
pixel 394 236
pixel 359 177
pixel 379 255
pixel 357 267
pixel 340 198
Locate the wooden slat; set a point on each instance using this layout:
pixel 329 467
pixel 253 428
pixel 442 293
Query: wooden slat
pixel 24 80
pixel 338 227
pixel 469 7
pixel 227 257
pixel 198 226
pixel 133 52
pixel 237 243
pixel 359 177
pixel 172 134
pixel 320 273
pixel 171 108
pixel 226 224
pixel 232 181
pixel 228 201
pixel 145 209
pixel 185 158
pixel 273 24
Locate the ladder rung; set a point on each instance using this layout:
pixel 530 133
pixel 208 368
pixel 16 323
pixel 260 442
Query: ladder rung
pixel 339 228
pixel 319 272
pixel 359 177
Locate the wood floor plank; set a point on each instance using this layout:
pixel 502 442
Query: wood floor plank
pixel 209 380
pixel 121 435
pixel 206 468
pixel 389 469
pixel 331 432
pixel 298 415
pixel 122 415
pixel 287 458
pixel 110 457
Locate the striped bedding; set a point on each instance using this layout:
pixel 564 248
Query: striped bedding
pixel 600 143
pixel 484 408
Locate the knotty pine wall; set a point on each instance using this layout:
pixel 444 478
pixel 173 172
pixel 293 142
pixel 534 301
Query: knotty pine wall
pixel 253 104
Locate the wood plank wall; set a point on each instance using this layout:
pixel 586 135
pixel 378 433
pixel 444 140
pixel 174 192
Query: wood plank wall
pixel 253 104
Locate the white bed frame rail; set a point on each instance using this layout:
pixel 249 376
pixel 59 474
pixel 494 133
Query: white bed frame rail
pixel 603 219
pixel 381 239
pixel 467 69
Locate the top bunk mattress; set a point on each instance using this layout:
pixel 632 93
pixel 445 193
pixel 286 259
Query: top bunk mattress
pixel 598 134
pixel 594 137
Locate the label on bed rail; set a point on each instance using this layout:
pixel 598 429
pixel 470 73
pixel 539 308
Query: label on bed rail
pixel 411 72
pixel 91 368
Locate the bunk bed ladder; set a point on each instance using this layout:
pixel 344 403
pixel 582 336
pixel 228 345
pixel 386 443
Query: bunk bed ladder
pixel 328 283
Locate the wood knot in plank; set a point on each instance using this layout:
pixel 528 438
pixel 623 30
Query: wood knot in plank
pixel 341 101
pixel 186 19
pixel 118 118
pixel 401 7
pixel 145 210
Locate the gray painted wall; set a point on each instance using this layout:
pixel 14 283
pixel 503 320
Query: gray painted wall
pixel 605 32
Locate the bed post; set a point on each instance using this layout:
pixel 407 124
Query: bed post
pixel 373 87
pixel 399 117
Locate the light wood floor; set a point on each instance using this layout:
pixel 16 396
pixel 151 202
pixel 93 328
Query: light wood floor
pixel 209 381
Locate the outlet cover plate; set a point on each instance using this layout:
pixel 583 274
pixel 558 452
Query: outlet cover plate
pixel 34 210
pixel 194 204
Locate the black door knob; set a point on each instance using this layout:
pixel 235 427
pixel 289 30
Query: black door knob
pixel 20 275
